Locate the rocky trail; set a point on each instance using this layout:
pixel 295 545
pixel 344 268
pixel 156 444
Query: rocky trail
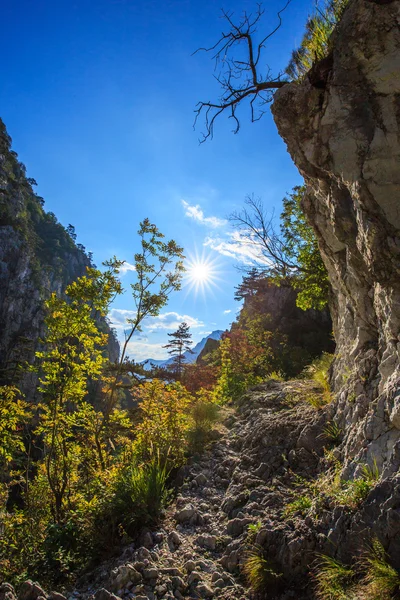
pixel 230 500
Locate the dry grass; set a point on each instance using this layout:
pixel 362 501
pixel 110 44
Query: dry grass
pixel 382 581
pixel 259 573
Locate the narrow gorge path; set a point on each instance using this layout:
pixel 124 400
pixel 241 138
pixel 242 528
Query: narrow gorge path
pixel 242 479
pixel 185 557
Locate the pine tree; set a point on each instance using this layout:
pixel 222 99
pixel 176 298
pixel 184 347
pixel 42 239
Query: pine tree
pixel 181 340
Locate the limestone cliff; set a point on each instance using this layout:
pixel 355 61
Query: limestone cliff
pixel 344 137
pixel 37 256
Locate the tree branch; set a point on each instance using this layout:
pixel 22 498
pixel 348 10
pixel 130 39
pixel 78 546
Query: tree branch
pixel 239 79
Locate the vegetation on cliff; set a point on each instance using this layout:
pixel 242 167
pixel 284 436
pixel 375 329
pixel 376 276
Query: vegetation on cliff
pixel 78 468
pixel 294 477
pixel 49 243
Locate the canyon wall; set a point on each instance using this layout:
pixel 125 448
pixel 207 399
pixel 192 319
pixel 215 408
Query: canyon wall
pixel 38 256
pixel 342 129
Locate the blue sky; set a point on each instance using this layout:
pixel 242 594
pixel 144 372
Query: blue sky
pixel 98 96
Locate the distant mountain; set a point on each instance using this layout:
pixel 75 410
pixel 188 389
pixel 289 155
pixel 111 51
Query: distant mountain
pixel 210 346
pixel 190 357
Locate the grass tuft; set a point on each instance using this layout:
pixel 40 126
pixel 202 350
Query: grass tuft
pixel 254 528
pixel 382 580
pixel 333 579
pixel 318 401
pixel 275 376
pixel 332 432
pixel 319 372
pixel 142 493
pixel 316 42
pixel 302 505
pixel 259 572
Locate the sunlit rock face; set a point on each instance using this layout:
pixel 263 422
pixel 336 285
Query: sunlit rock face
pixel 343 133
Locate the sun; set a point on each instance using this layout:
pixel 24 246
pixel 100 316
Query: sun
pixel 201 274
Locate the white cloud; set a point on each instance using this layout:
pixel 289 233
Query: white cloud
pixel 226 312
pixel 171 321
pixel 126 267
pixel 195 212
pixel 237 246
pixel 139 351
pixel 165 321
pixel 118 317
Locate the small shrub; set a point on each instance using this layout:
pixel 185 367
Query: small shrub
pixel 333 579
pixel 260 573
pixel 302 505
pixel 382 580
pixel 205 414
pixel 205 411
pixel 275 376
pixel 165 421
pixel 142 493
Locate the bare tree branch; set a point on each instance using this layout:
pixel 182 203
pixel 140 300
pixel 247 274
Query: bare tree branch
pixel 239 78
pixel 257 227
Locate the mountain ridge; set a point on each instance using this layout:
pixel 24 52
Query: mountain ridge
pixel 190 357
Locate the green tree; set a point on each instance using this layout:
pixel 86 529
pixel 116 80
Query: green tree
pixel 158 270
pixel 14 412
pixel 310 276
pixel 181 340
pixel 74 352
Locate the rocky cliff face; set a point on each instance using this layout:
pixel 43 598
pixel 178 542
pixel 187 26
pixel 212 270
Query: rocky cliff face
pixel 37 256
pixel 307 333
pixel 343 133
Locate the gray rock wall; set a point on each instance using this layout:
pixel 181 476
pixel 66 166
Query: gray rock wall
pixel 344 137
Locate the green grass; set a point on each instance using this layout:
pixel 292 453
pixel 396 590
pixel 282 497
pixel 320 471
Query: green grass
pixel 373 577
pixel 254 528
pixel 259 573
pixel 318 370
pixel 204 415
pixel 142 493
pixel 352 493
pixel 332 433
pixel 371 474
pixel 381 579
pixel 301 505
pixel 346 492
pixel 318 401
pixel 333 579
pixel 341 492
pixel 205 411
pixel 316 43
pixel 275 376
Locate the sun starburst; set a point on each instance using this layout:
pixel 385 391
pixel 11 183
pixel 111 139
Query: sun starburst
pixel 202 274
